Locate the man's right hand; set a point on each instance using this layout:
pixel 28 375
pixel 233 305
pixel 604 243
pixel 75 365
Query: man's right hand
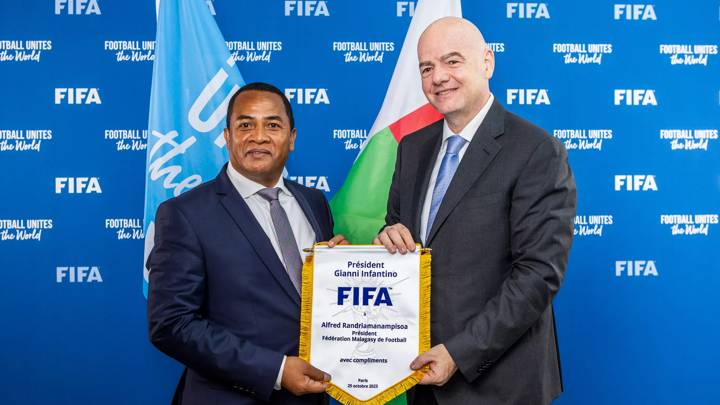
pixel 395 238
pixel 299 377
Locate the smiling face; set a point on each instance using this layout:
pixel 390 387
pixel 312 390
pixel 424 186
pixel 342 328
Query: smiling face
pixel 259 139
pixel 455 67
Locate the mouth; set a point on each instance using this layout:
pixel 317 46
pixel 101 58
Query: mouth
pixel 444 92
pixel 257 153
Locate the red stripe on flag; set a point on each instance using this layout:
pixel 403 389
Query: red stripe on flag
pixel 417 119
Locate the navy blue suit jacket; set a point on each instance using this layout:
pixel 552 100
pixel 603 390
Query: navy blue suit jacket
pixel 220 301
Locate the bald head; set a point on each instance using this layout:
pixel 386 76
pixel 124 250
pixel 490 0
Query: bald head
pixel 455 67
pixel 459 29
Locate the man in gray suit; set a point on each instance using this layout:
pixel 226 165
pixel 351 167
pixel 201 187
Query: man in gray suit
pixel 494 197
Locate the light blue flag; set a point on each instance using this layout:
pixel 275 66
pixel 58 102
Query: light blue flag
pixel 194 77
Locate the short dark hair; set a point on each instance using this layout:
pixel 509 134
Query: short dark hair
pixel 260 86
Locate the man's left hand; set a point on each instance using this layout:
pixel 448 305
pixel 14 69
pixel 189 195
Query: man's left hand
pixel 441 365
pixel 338 240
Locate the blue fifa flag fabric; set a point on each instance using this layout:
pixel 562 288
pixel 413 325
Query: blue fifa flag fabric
pixel 193 78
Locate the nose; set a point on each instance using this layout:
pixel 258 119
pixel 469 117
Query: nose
pixel 440 75
pixel 259 136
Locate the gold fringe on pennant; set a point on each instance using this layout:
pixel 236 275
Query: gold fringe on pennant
pixel 306 298
pixel 398 388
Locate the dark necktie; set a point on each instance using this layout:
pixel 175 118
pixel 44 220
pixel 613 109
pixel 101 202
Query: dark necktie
pixel 286 239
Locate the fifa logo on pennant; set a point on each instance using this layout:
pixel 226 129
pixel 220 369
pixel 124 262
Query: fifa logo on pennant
pixel 365 296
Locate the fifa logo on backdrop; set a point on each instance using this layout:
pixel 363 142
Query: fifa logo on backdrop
pixel 528 96
pixel 79 95
pixel 77 185
pixel 640 97
pixel 24 229
pixel 78 274
pixel 634 12
pixel 306 8
pixel 527 10
pixel 405 8
pixel 635 268
pixel 689 224
pixel 308 96
pixel 317 182
pixel 591 225
pixel 635 182
pixel 77 7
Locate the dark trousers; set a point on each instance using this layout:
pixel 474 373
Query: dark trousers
pixel 421 395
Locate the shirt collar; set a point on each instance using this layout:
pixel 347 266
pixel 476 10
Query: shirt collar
pixel 471 128
pixel 246 187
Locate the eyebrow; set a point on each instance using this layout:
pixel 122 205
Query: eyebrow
pixel 450 55
pixel 250 117
pixel 443 58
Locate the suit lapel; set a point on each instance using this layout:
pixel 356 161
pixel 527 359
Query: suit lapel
pixel 307 210
pixel 477 158
pixel 430 147
pixel 250 228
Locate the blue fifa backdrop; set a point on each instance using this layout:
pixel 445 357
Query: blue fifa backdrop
pixel 632 90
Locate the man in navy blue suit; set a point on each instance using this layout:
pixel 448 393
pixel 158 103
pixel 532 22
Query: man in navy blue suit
pixel 225 270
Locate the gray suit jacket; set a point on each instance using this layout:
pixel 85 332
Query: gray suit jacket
pixel 500 245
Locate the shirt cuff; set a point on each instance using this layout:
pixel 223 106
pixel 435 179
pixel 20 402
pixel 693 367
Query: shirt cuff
pixel 278 380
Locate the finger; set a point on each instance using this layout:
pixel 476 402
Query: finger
pixel 420 361
pixel 316 374
pixel 427 380
pixel 397 240
pixel 385 240
pixel 335 240
pixel 376 241
pixel 407 239
pixel 316 386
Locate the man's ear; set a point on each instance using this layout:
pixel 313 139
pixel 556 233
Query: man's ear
pixel 489 60
pixel 226 135
pixel 293 135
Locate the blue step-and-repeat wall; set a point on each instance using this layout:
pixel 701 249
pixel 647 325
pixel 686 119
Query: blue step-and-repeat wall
pixel 632 90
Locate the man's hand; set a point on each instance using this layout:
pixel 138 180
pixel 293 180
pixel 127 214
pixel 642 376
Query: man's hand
pixel 441 365
pixel 395 238
pixel 299 377
pixel 338 240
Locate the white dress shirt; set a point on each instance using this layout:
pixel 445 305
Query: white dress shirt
pixel 467 133
pixel 260 207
